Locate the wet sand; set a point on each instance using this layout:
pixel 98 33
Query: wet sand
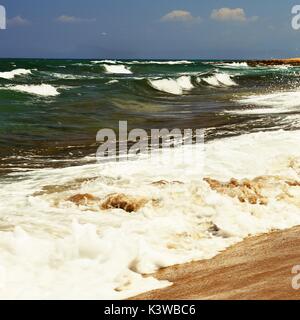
pixel 257 268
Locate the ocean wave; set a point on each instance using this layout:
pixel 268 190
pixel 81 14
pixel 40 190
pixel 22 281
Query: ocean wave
pixel 106 61
pixel 45 90
pixel 277 102
pixel 219 80
pixel 159 62
pixel 173 86
pixel 112 81
pixel 234 65
pixel 277 99
pixel 171 62
pixel 44 248
pixel 117 69
pixel 70 76
pixel 14 73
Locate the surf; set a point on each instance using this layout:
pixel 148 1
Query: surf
pixel 44 90
pixel 12 74
pixel 186 218
pixel 173 86
pixel 219 80
pixel 117 69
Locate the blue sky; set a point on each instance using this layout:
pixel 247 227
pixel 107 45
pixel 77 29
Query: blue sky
pixel 149 29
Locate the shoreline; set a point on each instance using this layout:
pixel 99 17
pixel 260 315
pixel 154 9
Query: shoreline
pixel 258 268
pixel 274 62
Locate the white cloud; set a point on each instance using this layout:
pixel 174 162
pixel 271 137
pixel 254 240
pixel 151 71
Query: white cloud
pixel 179 16
pixel 18 21
pixel 71 19
pixel 228 14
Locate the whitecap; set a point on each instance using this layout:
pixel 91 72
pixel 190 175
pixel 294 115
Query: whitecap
pixel 117 69
pixel 173 86
pixel 105 61
pixel 45 90
pixel 220 80
pixel 14 73
pixel 170 62
pixel 112 81
pixel 234 65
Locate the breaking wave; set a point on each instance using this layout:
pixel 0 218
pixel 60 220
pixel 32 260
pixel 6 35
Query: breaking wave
pixel 159 62
pixel 116 69
pixel 277 102
pixel 219 80
pixel 177 62
pixel 45 90
pixel 287 99
pixel 14 73
pixel 233 65
pixel 173 86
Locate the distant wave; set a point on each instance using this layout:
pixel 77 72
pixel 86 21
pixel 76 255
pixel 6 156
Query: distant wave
pixel 117 69
pixel 234 65
pixel 45 90
pixel 14 73
pixel 105 61
pixel 219 80
pixel 171 62
pixel 160 62
pixel 173 86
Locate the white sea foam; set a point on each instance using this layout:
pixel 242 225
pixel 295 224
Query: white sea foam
pixel 212 81
pixel 118 69
pixel 105 61
pixel 52 249
pixel 160 62
pixel 172 62
pixel 277 102
pixel 14 73
pixel 173 86
pixel 112 81
pixel 45 90
pixel 220 80
pixel 234 65
pixel 70 76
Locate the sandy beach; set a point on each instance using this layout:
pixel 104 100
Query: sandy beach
pixel 259 268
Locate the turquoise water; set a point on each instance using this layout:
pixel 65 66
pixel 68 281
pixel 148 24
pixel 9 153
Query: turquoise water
pixel 51 110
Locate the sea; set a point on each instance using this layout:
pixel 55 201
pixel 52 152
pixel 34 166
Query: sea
pixel 50 113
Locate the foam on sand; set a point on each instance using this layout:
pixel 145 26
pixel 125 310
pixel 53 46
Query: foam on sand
pixel 45 90
pixel 52 248
pixel 11 74
pixel 173 86
pixel 117 69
